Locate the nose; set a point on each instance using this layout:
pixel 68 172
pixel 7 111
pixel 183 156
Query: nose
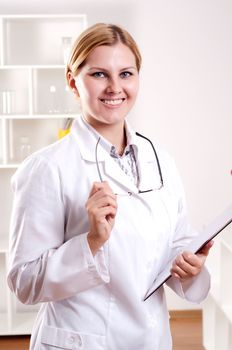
pixel 114 86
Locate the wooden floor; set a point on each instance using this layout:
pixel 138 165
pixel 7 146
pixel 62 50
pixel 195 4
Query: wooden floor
pixel 186 327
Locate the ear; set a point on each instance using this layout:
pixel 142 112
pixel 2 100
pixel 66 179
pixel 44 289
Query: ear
pixel 72 83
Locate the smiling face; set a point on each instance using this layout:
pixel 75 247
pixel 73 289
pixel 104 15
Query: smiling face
pixel 107 85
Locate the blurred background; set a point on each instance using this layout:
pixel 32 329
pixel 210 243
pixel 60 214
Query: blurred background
pixel 185 90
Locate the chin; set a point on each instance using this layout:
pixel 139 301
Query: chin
pixel 113 120
pixel 113 117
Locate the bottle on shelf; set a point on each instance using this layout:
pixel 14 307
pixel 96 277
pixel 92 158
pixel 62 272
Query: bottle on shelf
pixel 66 47
pixel 25 147
pixel 7 101
pixel 53 109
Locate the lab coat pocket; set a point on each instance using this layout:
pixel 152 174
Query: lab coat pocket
pixel 57 338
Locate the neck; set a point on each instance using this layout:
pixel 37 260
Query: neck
pixel 115 134
pixel 116 137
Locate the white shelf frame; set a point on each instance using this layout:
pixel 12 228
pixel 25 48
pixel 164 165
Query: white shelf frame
pixel 47 16
pixel 21 325
pixel 217 309
pixel 38 116
pixel 1 43
pixel 18 319
pixel 32 66
pixel 4 143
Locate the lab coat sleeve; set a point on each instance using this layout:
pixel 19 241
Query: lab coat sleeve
pixel 197 288
pixel 42 267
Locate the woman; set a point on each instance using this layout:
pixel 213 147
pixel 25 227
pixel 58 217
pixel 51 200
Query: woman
pixel 99 214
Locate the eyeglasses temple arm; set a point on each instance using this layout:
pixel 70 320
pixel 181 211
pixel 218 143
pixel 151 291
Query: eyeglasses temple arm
pixel 98 170
pixel 156 156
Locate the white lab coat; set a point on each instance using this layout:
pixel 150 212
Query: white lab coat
pixel 96 303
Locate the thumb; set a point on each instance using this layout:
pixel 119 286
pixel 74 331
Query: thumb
pixel 206 248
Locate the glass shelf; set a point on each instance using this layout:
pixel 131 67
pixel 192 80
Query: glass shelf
pixel 51 94
pixel 32 67
pixel 14 91
pixel 19 31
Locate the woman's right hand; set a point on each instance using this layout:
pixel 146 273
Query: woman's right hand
pixel 102 208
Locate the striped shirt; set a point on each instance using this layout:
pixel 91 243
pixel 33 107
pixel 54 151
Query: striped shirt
pixel 127 161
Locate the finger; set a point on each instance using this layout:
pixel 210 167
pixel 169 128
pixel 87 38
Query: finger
pixel 183 274
pixel 103 193
pixel 101 201
pixel 106 185
pixel 185 269
pixel 177 270
pixel 179 273
pixel 206 248
pixel 97 186
pixel 191 259
pixel 101 214
pixel 180 265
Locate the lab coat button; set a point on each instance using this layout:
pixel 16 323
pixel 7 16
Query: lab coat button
pixel 79 342
pixel 71 340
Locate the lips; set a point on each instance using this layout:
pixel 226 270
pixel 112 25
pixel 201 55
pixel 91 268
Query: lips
pixel 113 102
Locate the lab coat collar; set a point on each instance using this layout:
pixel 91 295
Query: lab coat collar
pixel 87 146
pixel 108 166
pixel 86 140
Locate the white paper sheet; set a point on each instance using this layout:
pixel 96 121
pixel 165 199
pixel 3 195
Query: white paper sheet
pixel 197 243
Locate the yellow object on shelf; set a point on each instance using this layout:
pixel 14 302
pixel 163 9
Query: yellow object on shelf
pixel 63 132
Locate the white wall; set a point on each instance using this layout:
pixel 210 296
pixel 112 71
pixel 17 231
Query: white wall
pixel 186 86
pixel 186 90
pixel 185 100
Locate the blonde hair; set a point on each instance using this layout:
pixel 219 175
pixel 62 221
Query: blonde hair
pixel 97 35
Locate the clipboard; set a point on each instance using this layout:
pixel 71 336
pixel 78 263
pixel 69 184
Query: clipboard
pixel 211 231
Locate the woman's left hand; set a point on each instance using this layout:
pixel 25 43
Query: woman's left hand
pixel 188 265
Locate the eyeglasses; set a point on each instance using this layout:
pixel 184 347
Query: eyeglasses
pixel 161 183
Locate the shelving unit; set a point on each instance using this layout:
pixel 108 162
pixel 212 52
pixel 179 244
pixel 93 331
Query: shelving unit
pixel 34 102
pixel 217 309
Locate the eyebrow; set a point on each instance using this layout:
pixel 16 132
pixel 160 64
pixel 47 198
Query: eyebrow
pixel 106 70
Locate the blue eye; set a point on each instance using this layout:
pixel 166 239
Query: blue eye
pixel 125 74
pixel 99 75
